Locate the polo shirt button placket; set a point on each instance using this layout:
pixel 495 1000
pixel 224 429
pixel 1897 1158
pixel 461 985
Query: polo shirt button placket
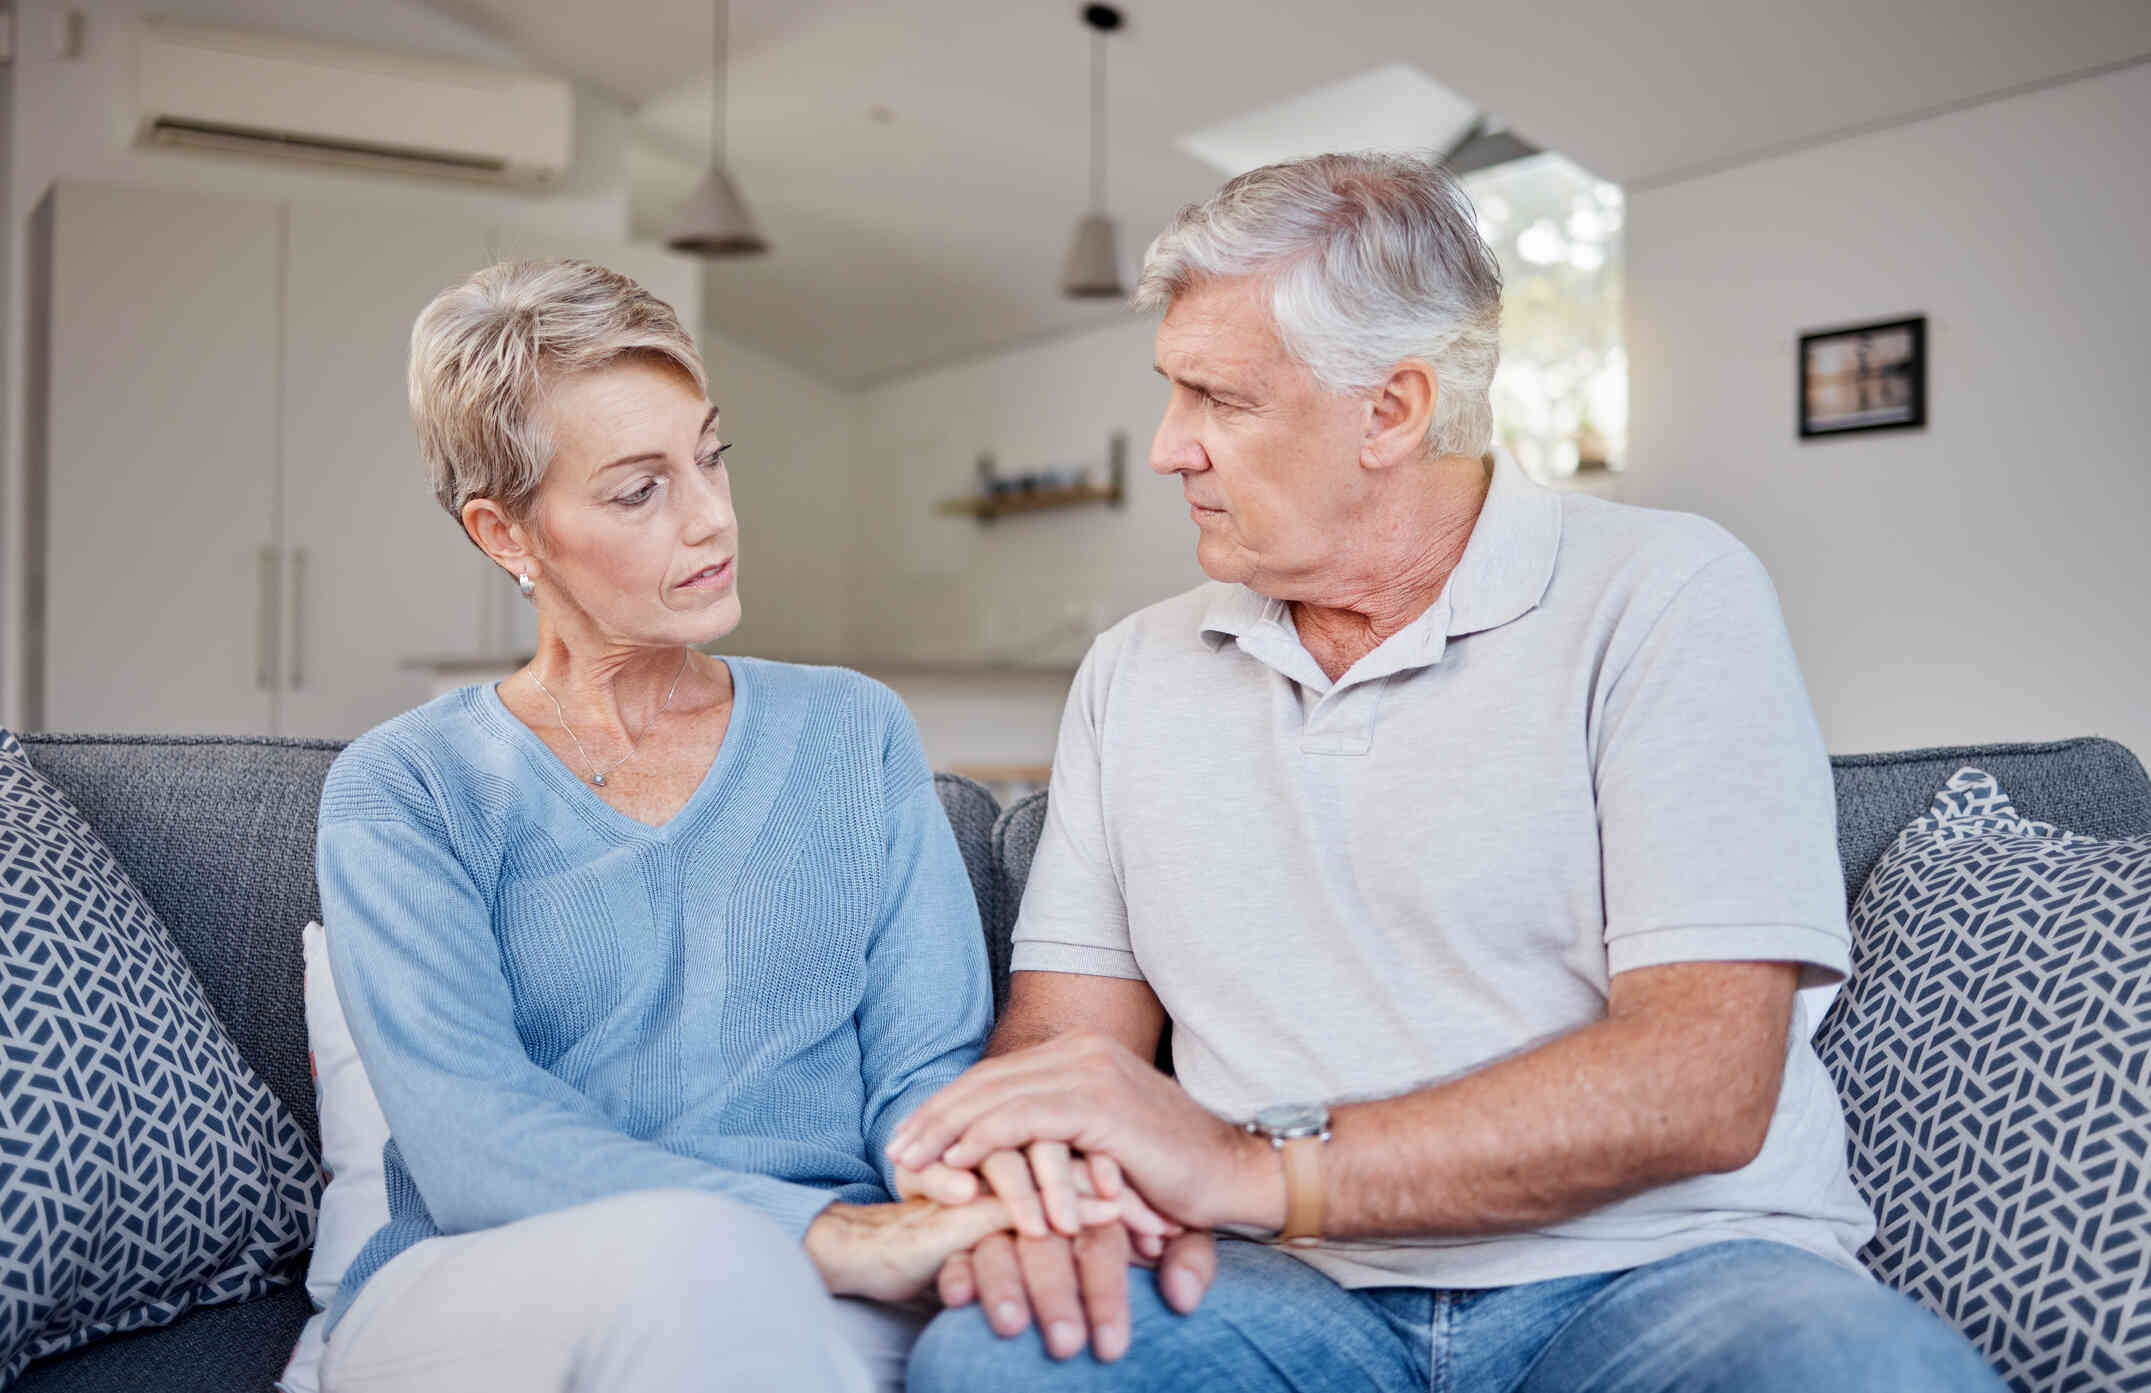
pixel 1342 723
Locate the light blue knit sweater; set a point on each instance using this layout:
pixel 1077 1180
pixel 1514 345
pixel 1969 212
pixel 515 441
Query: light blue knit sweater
pixel 556 1003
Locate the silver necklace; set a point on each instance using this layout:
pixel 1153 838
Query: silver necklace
pixel 597 775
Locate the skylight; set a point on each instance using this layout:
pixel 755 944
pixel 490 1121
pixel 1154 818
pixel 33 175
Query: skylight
pixel 1392 108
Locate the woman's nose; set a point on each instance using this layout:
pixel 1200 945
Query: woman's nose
pixel 709 507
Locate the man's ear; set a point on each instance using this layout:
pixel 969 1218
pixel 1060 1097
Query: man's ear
pixel 1402 412
pixel 505 541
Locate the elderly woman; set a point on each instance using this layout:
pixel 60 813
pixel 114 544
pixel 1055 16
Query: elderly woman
pixel 647 952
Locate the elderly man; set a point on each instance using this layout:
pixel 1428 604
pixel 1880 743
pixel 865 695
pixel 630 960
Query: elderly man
pixel 1474 839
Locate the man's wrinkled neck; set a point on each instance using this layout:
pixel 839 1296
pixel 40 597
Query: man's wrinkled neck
pixel 1397 568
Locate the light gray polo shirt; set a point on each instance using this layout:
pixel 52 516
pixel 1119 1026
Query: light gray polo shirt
pixel 1593 753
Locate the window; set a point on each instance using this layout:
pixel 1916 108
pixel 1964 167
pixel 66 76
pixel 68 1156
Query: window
pixel 1561 395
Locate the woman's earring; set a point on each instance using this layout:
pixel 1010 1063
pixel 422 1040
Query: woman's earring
pixel 522 583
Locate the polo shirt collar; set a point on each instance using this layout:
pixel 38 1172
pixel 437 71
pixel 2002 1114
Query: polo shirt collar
pixel 1509 561
pixel 1504 573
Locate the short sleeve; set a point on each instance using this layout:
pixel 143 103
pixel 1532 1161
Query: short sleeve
pixel 1074 916
pixel 1717 814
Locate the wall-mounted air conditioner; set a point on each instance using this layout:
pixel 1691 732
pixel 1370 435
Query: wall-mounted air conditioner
pixel 231 90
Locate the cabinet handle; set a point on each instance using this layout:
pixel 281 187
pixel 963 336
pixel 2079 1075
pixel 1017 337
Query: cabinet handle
pixel 267 566
pixel 298 618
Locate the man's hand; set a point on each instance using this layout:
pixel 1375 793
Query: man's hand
pixel 1093 1094
pixel 1071 1283
pixel 1069 1258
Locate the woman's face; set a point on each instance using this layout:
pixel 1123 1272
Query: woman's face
pixel 634 522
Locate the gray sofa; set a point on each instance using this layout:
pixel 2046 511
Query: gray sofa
pixel 219 834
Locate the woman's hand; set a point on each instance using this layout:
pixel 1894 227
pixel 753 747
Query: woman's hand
pixel 892 1252
pixel 1048 1191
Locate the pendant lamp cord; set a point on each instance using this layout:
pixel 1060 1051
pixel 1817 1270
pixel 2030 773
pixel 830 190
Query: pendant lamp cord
pixel 1097 120
pixel 717 32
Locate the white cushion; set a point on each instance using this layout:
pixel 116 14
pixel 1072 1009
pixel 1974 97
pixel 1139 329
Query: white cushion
pixel 302 1374
pixel 355 1204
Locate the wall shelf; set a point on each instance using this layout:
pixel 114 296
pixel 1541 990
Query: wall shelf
pixel 1000 497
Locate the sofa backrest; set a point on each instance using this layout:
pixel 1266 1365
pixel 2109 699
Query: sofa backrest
pixel 218 833
pixel 2087 785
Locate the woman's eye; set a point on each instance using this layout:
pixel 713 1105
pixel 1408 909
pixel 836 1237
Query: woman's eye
pixel 639 496
pixel 716 457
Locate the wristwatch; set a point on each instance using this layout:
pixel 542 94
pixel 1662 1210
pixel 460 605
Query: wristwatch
pixel 1298 1131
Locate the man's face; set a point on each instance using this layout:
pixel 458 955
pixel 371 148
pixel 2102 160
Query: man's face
pixel 1268 458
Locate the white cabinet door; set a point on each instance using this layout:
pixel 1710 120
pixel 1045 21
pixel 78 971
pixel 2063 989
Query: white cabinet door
pixel 382 574
pixel 159 465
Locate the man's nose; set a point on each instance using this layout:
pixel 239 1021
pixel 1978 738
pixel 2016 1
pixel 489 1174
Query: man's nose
pixel 1174 449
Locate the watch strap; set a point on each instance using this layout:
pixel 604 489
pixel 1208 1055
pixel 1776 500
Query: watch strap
pixel 1305 1200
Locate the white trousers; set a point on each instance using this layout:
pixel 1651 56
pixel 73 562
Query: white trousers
pixel 660 1291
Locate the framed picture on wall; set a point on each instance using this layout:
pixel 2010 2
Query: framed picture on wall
pixel 1864 377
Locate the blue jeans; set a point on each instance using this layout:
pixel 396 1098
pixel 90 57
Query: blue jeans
pixel 1745 1317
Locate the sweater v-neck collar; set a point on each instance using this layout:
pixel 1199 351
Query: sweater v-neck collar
pixel 569 786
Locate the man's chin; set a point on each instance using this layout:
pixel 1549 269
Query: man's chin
pixel 1220 561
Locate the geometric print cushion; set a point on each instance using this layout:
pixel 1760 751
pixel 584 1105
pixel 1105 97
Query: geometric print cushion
pixel 1993 1053
pixel 144 1168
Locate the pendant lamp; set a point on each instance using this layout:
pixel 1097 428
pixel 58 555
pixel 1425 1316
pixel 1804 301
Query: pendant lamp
pixel 1092 271
pixel 715 221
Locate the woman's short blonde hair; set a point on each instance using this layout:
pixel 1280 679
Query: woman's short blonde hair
pixel 485 351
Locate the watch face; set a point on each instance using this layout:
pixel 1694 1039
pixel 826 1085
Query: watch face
pixel 1293 1120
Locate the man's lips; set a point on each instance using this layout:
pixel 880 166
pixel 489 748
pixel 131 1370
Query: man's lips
pixel 709 577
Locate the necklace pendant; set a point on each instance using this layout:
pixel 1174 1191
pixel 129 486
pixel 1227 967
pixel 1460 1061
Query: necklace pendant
pixel 598 779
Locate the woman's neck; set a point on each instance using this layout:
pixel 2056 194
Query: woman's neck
pixel 621 691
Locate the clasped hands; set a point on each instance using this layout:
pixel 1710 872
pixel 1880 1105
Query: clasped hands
pixel 1101 1161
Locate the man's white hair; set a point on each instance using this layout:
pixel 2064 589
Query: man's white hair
pixel 1370 259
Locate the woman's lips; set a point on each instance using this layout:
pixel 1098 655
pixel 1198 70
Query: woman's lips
pixel 708 579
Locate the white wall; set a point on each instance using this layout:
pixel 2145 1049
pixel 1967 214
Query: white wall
pixel 1026 590
pixel 68 119
pixel 979 627
pixel 1986 578
pixel 790 462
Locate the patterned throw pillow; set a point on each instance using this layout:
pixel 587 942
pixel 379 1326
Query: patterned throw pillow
pixel 1993 1050
pixel 144 1169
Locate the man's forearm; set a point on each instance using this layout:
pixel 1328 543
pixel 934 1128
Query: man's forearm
pixel 1635 1101
pixel 1016 1032
pixel 1045 1005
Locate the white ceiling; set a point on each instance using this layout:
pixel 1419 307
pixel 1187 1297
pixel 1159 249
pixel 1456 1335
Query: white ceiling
pixel 937 232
